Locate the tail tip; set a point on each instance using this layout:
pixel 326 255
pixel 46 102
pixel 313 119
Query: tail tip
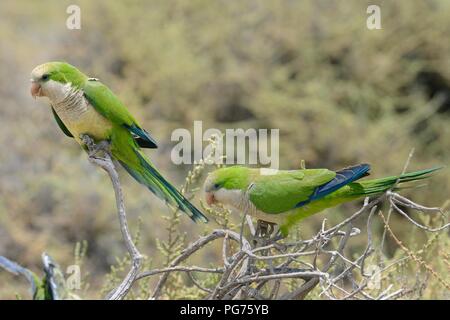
pixel 193 213
pixel 199 217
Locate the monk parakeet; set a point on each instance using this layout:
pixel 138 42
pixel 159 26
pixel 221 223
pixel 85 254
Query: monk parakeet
pixel 288 196
pixel 84 106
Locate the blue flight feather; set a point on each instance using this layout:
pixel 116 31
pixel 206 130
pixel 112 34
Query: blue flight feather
pixel 343 177
pixel 142 137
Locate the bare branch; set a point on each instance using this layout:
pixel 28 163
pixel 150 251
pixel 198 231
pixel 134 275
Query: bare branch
pixel 105 162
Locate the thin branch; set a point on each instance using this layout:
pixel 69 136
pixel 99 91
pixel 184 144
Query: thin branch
pixel 178 268
pixel 191 249
pixel 107 164
pixel 405 167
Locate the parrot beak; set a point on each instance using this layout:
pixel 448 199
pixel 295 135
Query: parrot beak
pixel 210 198
pixel 36 90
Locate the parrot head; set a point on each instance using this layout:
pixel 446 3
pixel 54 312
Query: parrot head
pixel 52 79
pixel 226 185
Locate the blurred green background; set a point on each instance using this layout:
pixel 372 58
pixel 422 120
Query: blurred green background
pixel 339 93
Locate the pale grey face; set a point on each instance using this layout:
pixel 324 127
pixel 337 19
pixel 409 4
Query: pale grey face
pixel 39 78
pixel 53 90
pixel 43 86
pixel 214 193
pixel 228 197
pixel 210 188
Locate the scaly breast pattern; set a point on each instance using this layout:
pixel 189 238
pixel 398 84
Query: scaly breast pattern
pixel 80 117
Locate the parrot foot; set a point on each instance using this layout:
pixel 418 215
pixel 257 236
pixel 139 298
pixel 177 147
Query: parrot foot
pixel 263 233
pixel 95 148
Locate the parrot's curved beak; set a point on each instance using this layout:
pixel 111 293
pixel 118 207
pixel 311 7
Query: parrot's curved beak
pixel 36 90
pixel 210 198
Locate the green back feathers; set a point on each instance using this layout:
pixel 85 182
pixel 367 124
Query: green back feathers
pixel 107 103
pixel 280 193
pixel 283 191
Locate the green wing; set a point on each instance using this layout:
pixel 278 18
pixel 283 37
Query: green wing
pixel 283 191
pixel 61 124
pixel 108 105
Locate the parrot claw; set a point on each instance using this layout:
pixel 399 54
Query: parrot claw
pixel 87 141
pixel 102 146
pixel 93 148
pixel 266 233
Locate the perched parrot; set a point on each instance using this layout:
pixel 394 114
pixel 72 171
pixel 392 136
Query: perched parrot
pixel 84 106
pixel 288 196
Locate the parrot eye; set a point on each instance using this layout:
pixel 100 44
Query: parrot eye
pixel 216 186
pixel 45 77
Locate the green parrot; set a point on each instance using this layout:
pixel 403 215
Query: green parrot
pixel 287 196
pixel 84 106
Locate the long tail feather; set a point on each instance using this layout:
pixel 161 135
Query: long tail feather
pixel 370 187
pixel 146 174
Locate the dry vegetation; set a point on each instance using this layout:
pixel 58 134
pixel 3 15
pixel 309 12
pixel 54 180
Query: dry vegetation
pixel 339 93
pixel 270 266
